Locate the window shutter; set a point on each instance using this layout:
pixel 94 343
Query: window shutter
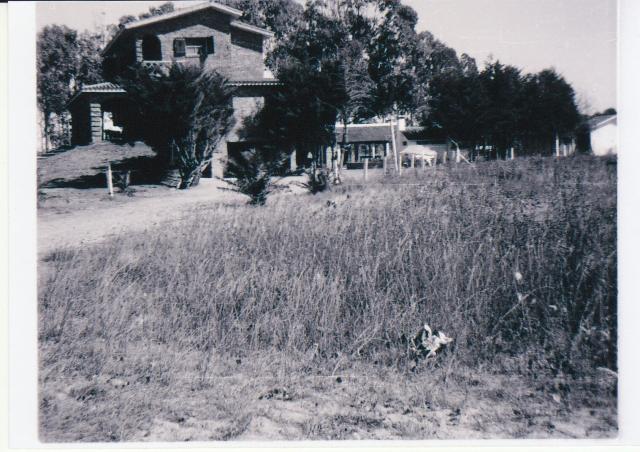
pixel 209 45
pixel 179 47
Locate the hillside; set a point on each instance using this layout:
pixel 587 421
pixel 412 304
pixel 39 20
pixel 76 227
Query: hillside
pixel 84 166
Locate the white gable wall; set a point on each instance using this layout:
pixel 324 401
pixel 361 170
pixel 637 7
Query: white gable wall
pixel 604 139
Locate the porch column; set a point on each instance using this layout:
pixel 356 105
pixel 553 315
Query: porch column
pixel 139 54
pixel 219 160
pixel 292 161
pixel 95 113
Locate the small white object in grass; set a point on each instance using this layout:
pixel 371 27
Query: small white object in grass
pixel 118 383
pixel 427 340
pixel 518 276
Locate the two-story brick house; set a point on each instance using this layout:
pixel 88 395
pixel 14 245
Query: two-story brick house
pixel 208 34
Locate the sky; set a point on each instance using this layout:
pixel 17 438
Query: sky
pixel 575 37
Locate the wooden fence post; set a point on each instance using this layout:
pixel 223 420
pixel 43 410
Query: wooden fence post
pixel 109 180
pixel 366 168
pixel 384 165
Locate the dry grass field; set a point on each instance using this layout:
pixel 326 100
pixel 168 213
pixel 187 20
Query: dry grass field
pixel 289 321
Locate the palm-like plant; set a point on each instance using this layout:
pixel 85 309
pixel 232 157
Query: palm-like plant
pixel 250 172
pixel 182 113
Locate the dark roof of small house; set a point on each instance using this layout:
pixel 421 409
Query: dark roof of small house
pixel 422 133
pixel 364 133
pixel 106 87
pixel 600 120
pixel 233 12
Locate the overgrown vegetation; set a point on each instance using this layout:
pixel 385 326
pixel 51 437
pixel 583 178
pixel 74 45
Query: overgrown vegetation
pixel 514 260
pixel 182 113
pixel 317 181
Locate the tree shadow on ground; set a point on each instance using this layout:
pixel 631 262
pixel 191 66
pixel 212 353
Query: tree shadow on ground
pixel 143 171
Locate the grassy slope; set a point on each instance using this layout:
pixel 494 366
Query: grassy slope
pixel 177 335
pixel 74 179
pixel 87 161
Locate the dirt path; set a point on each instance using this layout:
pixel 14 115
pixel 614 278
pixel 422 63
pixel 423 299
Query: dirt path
pixel 78 228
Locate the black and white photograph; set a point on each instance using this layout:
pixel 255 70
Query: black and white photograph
pixel 326 220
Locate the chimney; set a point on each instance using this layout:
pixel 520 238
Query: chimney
pixel 402 124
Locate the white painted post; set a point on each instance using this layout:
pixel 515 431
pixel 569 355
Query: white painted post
pixel 397 165
pixel 384 165
pixel 557 145
pixel 292 161
pixel 513 155
pixel 413 160
pixel 109 180
pixel 366 168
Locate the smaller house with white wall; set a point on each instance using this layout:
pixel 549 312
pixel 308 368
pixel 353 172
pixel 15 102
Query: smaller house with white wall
pixel 603 134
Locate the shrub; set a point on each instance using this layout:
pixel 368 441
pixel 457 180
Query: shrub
pixel 317 181
pixel 252 171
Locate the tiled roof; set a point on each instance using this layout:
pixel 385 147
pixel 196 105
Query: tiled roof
pixel 364 133
pixel 106 87
pixel 270 82
pixel 601 120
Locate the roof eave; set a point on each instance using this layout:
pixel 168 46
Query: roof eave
pixel 112 42
pixel 604 122
pixel 251 29
pixel 236 13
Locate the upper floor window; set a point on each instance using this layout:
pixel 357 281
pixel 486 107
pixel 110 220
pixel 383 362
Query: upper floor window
pixel 192 47
pixel 151 50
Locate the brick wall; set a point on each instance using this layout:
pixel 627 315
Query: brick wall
pixel 237 54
